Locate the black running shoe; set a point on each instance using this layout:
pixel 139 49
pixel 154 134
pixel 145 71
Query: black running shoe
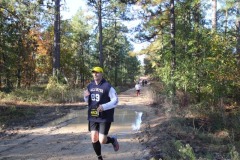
pixel 115 144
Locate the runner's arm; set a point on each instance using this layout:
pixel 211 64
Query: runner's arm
pixel 113 100
pixel 86 95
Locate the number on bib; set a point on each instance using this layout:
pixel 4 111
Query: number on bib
pixel 95 97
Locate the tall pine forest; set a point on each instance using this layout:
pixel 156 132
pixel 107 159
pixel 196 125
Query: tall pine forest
pixel 192 56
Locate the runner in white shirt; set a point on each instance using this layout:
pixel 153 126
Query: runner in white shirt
pixel 138 88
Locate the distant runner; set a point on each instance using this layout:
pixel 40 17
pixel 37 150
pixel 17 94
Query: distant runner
pixel 138 88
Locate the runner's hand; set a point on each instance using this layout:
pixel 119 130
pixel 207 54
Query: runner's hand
pixel 86 93
pixel 100 108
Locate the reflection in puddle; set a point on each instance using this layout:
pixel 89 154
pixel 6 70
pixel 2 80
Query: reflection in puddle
pixel 125 121
pixel 138 120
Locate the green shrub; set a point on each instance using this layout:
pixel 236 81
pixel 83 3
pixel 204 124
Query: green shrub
pixel 186 152
pixel 55 91
pixel 61 93
pixel 234 154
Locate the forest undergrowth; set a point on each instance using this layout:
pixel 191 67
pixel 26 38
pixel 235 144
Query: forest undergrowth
pixel 193 130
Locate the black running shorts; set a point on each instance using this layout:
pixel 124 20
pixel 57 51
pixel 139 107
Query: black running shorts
pixel 101 127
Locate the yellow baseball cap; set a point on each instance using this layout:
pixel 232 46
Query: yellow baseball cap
pixel 97 69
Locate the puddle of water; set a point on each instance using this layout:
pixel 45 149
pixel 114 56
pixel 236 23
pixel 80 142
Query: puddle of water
pixel 125 121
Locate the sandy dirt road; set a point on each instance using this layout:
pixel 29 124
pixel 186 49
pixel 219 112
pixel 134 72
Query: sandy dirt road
pixel 65 141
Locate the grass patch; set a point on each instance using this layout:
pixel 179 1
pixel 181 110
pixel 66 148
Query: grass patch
pixel 39 95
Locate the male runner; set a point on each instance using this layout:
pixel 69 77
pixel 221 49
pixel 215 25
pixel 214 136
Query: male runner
pixel 102 99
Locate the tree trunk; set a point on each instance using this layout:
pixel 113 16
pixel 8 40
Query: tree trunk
pixel 173 45
pixel 56 55
pixel 214 15
pixel 238 31
pixel 116 56
pixel 100 32
pixel 198 59
pixel 226 21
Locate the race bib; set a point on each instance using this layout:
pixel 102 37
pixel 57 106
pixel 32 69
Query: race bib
pixel 94 112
